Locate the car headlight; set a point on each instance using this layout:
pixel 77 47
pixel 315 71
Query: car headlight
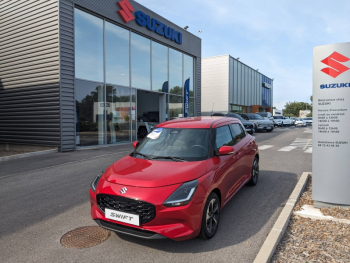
pixel 182 195
pixel 95 181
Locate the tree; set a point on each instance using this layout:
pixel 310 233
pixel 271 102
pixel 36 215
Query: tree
pixel 309 115
pixel 274 108
pixel 294 108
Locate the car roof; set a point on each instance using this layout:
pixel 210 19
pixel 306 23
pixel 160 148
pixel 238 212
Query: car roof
pixel 203 122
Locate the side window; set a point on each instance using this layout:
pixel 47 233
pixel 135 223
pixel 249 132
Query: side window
pixel 238 132
pixel 223 137
pixel 244 117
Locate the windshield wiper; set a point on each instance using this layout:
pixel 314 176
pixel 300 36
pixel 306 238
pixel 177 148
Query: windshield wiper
pixel 143 155
pixel 176 159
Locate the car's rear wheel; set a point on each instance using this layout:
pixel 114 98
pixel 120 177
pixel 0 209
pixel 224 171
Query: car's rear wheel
pixel 211 217
pixel 255 172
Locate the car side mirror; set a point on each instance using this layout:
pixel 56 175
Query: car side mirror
pixel 225 150
pixel 135 144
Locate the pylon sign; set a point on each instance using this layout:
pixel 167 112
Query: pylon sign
pixel 331 125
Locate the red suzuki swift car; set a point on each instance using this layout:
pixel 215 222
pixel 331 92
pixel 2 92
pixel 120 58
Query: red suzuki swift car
pixel 177 180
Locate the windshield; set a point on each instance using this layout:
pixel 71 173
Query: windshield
pixel 278 117
pixel 263 114
pixel 308 119
pixel 187 144
pixel 254 117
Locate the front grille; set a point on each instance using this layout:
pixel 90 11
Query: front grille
pixel 146 211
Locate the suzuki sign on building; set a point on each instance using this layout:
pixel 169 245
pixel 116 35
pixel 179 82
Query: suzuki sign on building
pixel 145 20
pixel 331 125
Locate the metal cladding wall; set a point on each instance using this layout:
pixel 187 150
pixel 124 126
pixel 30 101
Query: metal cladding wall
pixel 67 100
pixel 198 91
pixel 29 73
pixel 215 84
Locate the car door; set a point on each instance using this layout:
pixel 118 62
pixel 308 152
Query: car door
pixel 229 164
pixel 241 147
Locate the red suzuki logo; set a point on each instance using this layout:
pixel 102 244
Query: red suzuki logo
pixel 333 61
pixel 126 10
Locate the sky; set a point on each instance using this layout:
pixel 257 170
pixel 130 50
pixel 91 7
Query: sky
pixel 274 36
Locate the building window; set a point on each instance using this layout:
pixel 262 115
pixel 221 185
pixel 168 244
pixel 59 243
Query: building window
pixel 117 54
pixel 236 108
pixel 88 34
pixel 176 106
pixel 188 72
pixel 89 100
pixel 118 111
pixel 140 62
pixel 175 72
pixel 159 67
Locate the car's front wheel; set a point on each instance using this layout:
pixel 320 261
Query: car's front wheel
pixel 211 217
pixel 255 172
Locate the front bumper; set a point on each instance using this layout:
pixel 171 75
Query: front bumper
pixel 264 127
pixel 177 223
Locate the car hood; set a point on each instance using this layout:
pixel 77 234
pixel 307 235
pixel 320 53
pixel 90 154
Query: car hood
pixel 262 121
pixel 246 123
pixel 152 173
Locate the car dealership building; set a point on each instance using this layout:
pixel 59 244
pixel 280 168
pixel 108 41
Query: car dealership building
pixel 77 73
pixel 228 85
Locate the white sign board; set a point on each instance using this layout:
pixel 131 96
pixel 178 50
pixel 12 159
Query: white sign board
pixel 331 124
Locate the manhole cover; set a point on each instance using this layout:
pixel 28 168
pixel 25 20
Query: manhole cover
pixel 85 237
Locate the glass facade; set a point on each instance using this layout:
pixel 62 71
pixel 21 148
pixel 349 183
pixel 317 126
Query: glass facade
pixel 175 72
pixel 159 67
pixel 88 34
pixel 117 54
pixel 140 62
pixel 111 63
pixel 266 92
pixel 89 100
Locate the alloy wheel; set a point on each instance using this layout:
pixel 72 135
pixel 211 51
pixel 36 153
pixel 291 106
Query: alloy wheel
pixel 255 171
pixel 212 216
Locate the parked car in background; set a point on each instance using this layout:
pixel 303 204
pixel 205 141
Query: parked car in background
pixel 248 126
pixel 298 122
pixel 307 121
pixel 266 115
pixel 282 121
pixel 293 119
pixel 177 180
pixel 142 128
pixel 260 123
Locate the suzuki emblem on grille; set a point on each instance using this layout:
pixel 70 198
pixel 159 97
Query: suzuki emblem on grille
pixel 123 190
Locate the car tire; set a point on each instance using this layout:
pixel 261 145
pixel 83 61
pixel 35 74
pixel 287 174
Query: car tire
pixel 142 132
pixel 254 172
pixel 210 217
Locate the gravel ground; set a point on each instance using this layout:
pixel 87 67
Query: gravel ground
pixel 9 153
pixel 308 240
pixel 342 213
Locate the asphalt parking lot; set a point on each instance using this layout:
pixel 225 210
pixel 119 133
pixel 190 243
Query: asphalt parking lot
pixel 43 197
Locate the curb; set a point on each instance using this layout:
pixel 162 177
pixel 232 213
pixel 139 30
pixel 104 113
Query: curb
pixel 18 156
pixel 268 248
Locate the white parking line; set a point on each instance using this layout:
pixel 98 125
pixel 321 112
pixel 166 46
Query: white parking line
pixel 287 149
pixel 308 150
pixel 264 147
